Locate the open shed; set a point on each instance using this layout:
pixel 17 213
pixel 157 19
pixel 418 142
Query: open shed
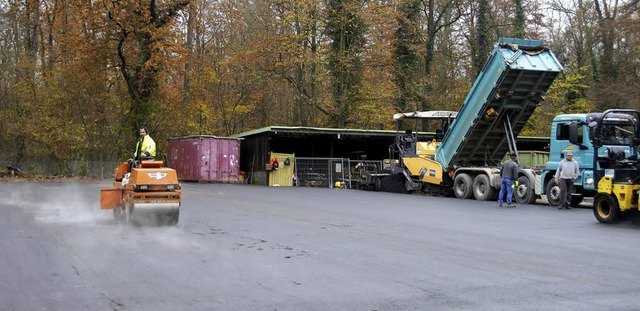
pixel 257 145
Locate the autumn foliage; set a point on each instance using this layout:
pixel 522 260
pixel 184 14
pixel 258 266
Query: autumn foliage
pixel 78 77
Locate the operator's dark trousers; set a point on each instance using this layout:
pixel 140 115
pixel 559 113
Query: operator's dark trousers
pixel 566 188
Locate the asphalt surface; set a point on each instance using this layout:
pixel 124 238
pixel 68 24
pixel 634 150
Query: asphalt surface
pixel 240 247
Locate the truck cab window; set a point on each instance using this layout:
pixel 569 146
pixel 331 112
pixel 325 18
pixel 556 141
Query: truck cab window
pixel 562 132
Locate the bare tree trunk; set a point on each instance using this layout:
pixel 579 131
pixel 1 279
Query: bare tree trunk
pixel 606 20
pixel 519 20
pixel 482 46
pixel 192 10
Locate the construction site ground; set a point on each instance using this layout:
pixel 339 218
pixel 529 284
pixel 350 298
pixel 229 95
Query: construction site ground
pixel 241 247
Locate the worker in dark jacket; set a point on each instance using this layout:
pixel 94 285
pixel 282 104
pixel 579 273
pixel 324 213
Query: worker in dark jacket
pixel 508 174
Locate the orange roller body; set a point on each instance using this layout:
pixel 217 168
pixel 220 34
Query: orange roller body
pixel 149 194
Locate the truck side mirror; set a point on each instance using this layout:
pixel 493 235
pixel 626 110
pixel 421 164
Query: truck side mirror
pixel 573 134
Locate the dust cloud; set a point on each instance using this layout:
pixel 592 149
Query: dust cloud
pixel 78 205
pixel 62 203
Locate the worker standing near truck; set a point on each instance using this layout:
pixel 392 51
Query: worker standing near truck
pixel 508 174
pixel 568 171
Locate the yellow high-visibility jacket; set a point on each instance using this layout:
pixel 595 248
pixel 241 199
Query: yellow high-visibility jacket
pixel 148 145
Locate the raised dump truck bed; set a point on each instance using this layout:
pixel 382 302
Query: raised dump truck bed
pixel 505 94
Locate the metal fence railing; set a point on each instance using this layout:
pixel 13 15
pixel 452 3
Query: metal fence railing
pixel 325 172
pixel 88 169
pixel 309 172
pixel 319 172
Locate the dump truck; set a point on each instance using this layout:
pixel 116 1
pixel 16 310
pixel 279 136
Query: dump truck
pixel 147 194
pixel 466 161
pixel 573 133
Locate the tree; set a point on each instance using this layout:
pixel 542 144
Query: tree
pixel 438 17
pixel 299 37
pixel 346 30
pixel 481 40
pixel 407 61
pixel 606 13
pixel 520 19
pixel 617 24
pixel 560 99
pixel 143 35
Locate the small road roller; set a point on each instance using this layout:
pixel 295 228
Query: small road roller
pixel 145 194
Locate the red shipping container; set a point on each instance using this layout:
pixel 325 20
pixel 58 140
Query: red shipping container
pixel 205 158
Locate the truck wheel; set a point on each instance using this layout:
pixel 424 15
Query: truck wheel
pixel 605 208
pixel 553 192
pixel 524 191
pixel 482 189
pixel 463 186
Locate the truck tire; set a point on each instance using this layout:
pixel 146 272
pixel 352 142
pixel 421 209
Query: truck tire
pixel 552 190
pixel 482 189
pixel 605 208
pixel 524 191
pixel 463 186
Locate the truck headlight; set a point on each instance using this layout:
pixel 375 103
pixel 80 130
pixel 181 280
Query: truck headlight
pixel 171 187
pixel 589 182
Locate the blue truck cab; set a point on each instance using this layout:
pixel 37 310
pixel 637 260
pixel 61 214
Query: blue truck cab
pixel 575 133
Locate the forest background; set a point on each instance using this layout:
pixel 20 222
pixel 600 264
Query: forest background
pixel 78 77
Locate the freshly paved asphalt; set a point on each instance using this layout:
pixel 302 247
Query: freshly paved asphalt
pixel 240 247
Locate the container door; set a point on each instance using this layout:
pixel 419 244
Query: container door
pixel 184 157
pixel 224 160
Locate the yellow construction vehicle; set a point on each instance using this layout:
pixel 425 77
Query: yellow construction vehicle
pixel 618 168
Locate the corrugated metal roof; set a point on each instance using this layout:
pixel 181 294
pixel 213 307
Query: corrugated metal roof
pixel 318 130
pixel 313 130
pixel 201 136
